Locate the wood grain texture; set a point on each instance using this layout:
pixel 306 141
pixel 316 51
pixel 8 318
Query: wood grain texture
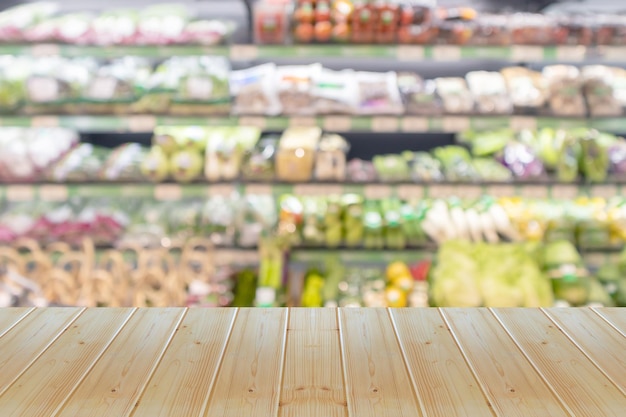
pixel 249 380
pixel 115 383
pixel 46 385
pixel 615 316
pixel 9 317
pixel 377 382
pixel 438 370
pixel 313 373
pixel 575 379
pixel 26 341
pixel 597 339
pixel 510 382
pixel 181 384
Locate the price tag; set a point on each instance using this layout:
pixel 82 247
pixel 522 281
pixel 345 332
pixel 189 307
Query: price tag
pixel 415 124
pixel 441 191
pixel 455 124
pixel 53 193
pixel 259 189
pixel 410 192
pixel 410 53
pixel 501 190
pixel 315 190
pixel 44 121
pixel 612 53
pixel 45 50
pixel 244 52
pixel 377 192
pixel 224 190
pixel 523 122
pixel 142 124
pixel 384 124
pixel 259 122
pixel 167 192
pixel 468 192
pixel 446 53
pixel 604 191
pixel 302 121
pixel 337 123
pixel 20 193
pixel 564 191
pixel 575 53
pixel 522 53
pixel 534 191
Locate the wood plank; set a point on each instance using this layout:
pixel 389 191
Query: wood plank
pixel 510 382
pixel 45 386
pixel 249 380
pixel 185 376
pixel 119 377
pixel 313 376
pixel 573 377
pixel 9 317
pixel 596 338
pixel 24 343
pixel 377 381
pixel 438 370
pixel 615 316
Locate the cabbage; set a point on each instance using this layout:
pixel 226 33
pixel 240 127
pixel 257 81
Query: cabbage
pixel 474 275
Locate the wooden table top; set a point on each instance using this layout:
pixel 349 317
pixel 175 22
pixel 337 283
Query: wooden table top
pixel 177 362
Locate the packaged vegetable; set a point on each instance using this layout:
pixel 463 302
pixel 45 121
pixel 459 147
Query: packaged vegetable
pixel 81 164
pixel 378 93
pixel 330 159
pixel 161 24
pixel 258 164
pixel 599 82
pixel 565 88
pixel 14 72
pixel 455 95
pixel 391 168
pixel 457 164
pixel 527 89
pixel 254 90
pixel 15 20
pixel 361 171
pixel 207 32
pixel 520 159
pixel 225 150
pixel 73 28
pixel 425 168
pixel 419 96
pixel 124 163
pixel 489 91
pixel 294 84
pixel 334 92
pixel 203 87
pixel 594 162
pixel 296 153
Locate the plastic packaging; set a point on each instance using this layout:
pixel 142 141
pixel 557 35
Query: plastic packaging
pixel 378 93
pixel 254 90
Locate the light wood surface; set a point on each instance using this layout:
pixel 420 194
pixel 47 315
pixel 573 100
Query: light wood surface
pixel 62 362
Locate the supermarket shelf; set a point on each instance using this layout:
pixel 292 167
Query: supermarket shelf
pixel 411 53
pixel 336 123
pixel 173 192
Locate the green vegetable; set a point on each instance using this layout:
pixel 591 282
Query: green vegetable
pixel 594 159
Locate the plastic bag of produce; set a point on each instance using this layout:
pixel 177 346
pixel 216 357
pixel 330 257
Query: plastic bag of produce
pixel 15 20
pixel 203 87
pixel 361 171
pixel 599 90
pixel 527 89
pixel 617 158
pixel 391 168
pixel 115 27
pixel 335 92
pixel 330 159
pixel 565 88
pixel 256 218
pixel 378 93
pixel 419 96
pixel 425 168
pixel 313 227
pixel 13 74
pixel 217 220
pixel 207 32
pixel 520 159
pixel 296 153
pixel 124 163
pixel 258 163
pixel 162 24
pixel 489 91
pixel 225 151
pixel 455 95
pixel 373 234
pixel 81 164
pixel 73 28
pixel 254 90
pixel 457 163
pixel 595 162
pixel 294 84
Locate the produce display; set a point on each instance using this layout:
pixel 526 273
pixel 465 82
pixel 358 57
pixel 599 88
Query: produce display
pixel 205 85
pixel 163 24
pixel 423 22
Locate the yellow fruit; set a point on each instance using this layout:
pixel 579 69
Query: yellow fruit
pixel 404 282
pixel 397 269
pixel 395 297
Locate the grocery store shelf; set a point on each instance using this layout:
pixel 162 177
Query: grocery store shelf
pixel 173 192
pixel 442 53
pixel 382 124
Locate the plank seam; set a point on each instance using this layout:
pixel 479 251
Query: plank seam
pixel 584 352
pixel 342 350
pixel 534 365
pixel 22 317
pixel 281 371
pixel 63 403
pixel 608 321
pixel 45 348
pixel 205 403
pixel 406 363
pixel 156 363
pixel 488 398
